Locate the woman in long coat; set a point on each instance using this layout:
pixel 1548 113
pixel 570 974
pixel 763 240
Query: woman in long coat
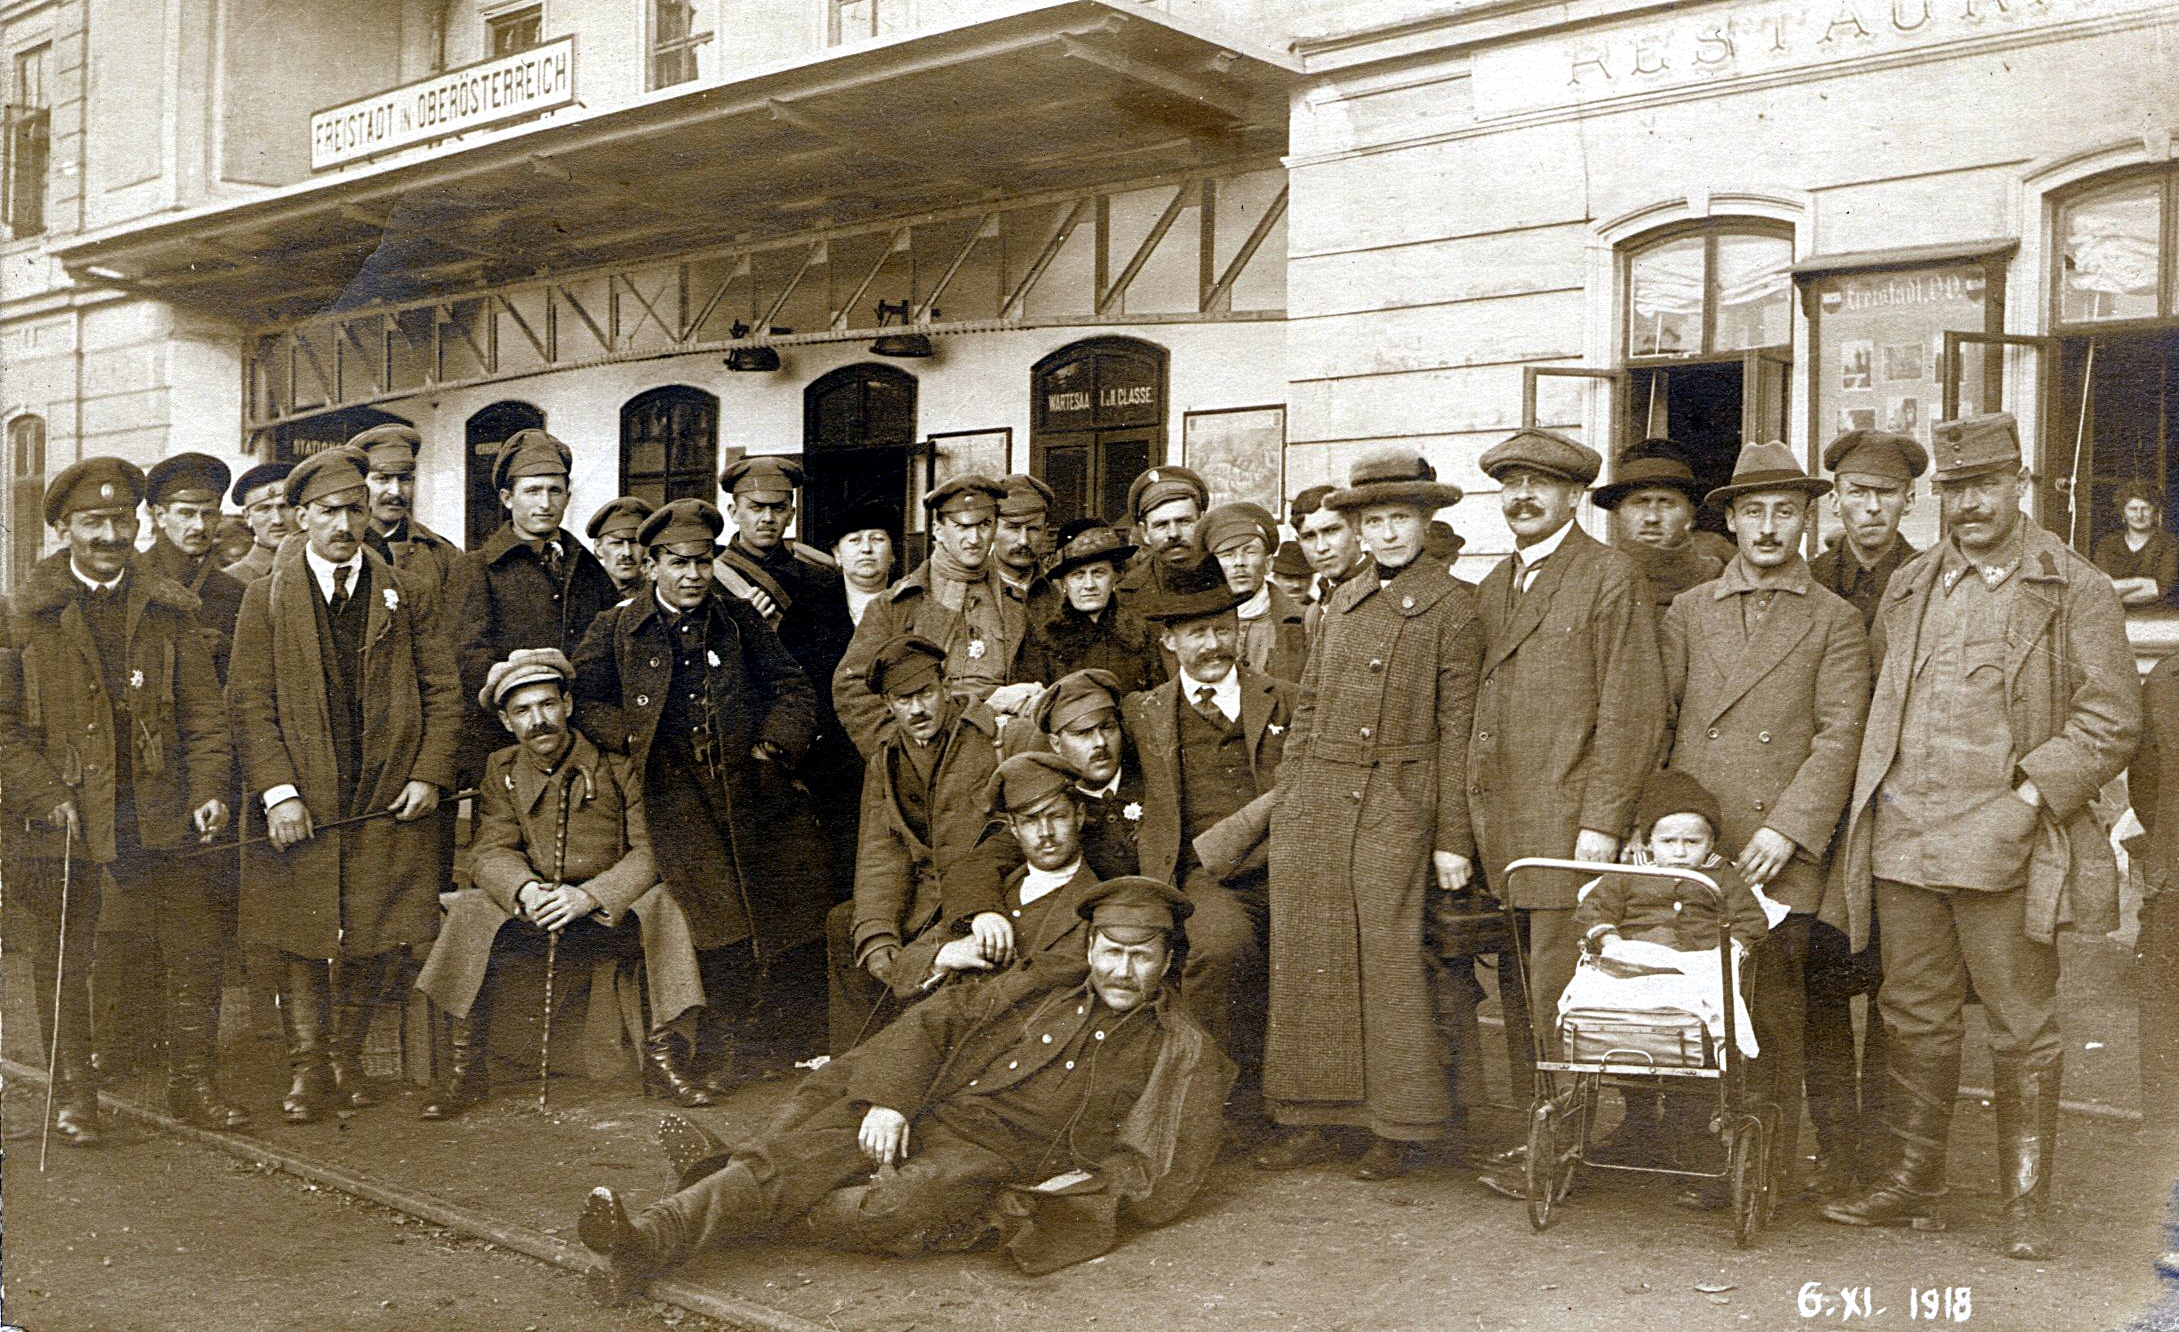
pixel 1373 817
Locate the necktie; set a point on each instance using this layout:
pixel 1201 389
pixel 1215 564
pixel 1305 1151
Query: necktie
pixel 548 552
pixel 340 588
pixel 1203 704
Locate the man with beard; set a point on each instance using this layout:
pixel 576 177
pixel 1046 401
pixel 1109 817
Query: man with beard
pixel 612 531
pixel 1274 638
pixel 1060 1101
pixel 955 599
pixel 114 754
pixel 923 812
pixel 345 704
pixel 712 711
pixel 1652 500
pixel 1165 504
pixel 862 545
pixel 422 555
pixel 1875 470
pixel 262 494
pixel 1083 629
pixel 561 849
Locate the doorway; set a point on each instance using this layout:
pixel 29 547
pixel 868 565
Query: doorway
pixel 2118 405
pixel 486 430
pixel 1098 422
pixel 858 433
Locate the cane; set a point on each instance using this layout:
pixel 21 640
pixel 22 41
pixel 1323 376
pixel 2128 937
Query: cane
pixel 60 963
pixel 552 943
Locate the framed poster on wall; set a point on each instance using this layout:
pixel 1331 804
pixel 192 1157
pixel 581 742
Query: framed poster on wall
pixel 1240 452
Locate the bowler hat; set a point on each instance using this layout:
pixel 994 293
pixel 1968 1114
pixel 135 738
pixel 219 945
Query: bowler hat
pixel 1289 562
pixel 1394 478
pixel 905 664
pixel 1976 446
pixel 1544 451
pixel 186 475
pixel 1767 465
pixel 1088 547
pixel 94 483
pixel 1176 605
pixel 524 666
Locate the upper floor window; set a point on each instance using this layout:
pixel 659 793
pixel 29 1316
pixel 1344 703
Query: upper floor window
pixel 2114 260
pixel 860 20
pixel 516 30
pixel 28 145
pixel 1713 293
pixel 674 40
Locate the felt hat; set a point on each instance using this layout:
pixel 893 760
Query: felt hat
pixel 1648 473
pixel 865 516
pixel 1097 542
pixel 524 666
pixel 1767 465
pixel 1544 451
pixel 529 453
pixel 1163 485
pixel 1024 496
pixel 1176 605
pixel 761 477
pixel 1394 478
pixel 1133 902
pixel 1074 696
pixel 258 477
pixel 621 516
pixel 390 448
pixel 1027 780
pixel 1224 524
pixel 327 472
pixel 1975 446
pixel 1671 791
pixel 683 522
pixel 905 664
pixel 94 483
pixel 197 478
pixel 1289 562
pixel 970 492
pixel 1880 453
pixel 1440 541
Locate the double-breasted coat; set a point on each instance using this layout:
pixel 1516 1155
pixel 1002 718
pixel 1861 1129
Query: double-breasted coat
pixel 1769 724
pixel 1368 788
pixel 1569 713
pixel 374 886
pixel 500 597
pixel 976 660
pixel 1152 721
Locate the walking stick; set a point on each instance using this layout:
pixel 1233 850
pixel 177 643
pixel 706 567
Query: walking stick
pixel 453 798
pixel 60 963
pixel 552 942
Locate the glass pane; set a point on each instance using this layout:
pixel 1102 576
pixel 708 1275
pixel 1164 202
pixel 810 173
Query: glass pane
pixel 1754 293
pixel 2108 245
pixel 1066 471
pixel 1664 300
pixel 1123 461
pixel 646 457
pixel 889 411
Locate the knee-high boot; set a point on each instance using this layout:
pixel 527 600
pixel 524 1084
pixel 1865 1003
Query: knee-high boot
pixel 1918 1116
pixel 75 1082
pixel 2027 1146
pixel 192 1050
pixel 306 1001
pixel 468 1076
pixel 356 985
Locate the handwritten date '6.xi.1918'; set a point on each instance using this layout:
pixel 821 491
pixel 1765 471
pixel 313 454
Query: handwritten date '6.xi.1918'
pixel 1856 1304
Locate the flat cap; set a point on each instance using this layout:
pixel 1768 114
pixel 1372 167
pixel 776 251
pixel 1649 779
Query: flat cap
pixel 1648 472
pixel 1172 605
pixel 1163 485
pixel 1308 502
pixel 970 492
pixel 1671 791
pixel 258 477
pixel 94 483
pixel 1225 524
pixel 391 448
pixel 865 516
pixel 1133 902
pixel 326 472
pixel 524 666
pixel 1394 478
pixel 906 663
pixel 621 516
pixel 529 453
pixel 761 477
pixel 198 478
pixel 1546 451
pixel 1883 453
pixel 1767 465
pixel 683 522
pixel 1072 697
pixel 1025 496
pixel 1975 445
pixel 1025 781
pixel 1289 562
pixel 1088 546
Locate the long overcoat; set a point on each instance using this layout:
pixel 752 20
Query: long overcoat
pixel 907 607
pixel 500 597
pixel 373 886
pixel 1569 714
pixel 1369 787
pixel 1770 725
pixel 1152 722
pixel 57 724
pixel 754 692
pixel 2074 704
pixel 426 559
pixel 218 593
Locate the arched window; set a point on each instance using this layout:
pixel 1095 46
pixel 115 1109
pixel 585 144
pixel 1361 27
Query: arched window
pixel 26 496
pixel 669 444
pixel 1097 421
pixel 486 429
pixel 858 431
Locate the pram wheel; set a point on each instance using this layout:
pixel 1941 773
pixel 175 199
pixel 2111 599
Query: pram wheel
pixel 1747 1167
pixel 1547 1176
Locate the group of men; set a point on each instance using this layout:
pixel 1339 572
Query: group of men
pixel 1118 767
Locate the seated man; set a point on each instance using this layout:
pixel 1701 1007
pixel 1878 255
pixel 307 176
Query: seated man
pixel 1067 1100
pixel 922 812
pixel 561 847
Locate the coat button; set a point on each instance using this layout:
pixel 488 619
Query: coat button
pixel 972 1082
pixel 1013 1063
pixel 1070 1063
pixel 1763 736
pixel 1367 733
pixel 1758 806
pixel 1047 1038
pixel 1376 663
pixel 1712 733
pixel 1098 1034
pixel 643 700
pixel 1407 603
pixel 1357 795
pixel 654 661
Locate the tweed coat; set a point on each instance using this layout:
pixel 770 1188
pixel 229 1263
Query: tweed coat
pixel 57 724
pixel 1369 787
pixel 375 886
pixel 973 665
pixel 219 593
pixel 1770 725
pixel 2153 777
pixel 1569 714
pixel 2075 714
pixel 1152 722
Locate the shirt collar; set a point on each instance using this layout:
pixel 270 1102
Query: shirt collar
pixel 1036 883
pixel 1739 576
pixel 1954 563
pixel 1255 606
pixel 1544 549
pixel 1100 792
pixel 1225 694
pixel 322 569
pixel 93 585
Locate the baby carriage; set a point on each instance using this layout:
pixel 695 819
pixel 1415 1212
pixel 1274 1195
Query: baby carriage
pixel 1652 1049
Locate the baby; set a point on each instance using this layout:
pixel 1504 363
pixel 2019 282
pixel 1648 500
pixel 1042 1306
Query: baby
pixel 1681 819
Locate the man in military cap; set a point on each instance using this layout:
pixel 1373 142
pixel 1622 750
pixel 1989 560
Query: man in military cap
pixel 563 848
pixel 2005 698
pixel 113 755
pixel 531 584
pixel 612 532
pixel 1274 632
pixel 939 1131
pixel 262 494
pixel 922 813
pixel 862 542
pixel 695 688
pixel 1875 471
pixel 1023 539
pixel 390 470
pixel 346 704
pixel 183 492
pixel 1166 504
pixel 956 599
pixel 1652 498
pixel 1570 709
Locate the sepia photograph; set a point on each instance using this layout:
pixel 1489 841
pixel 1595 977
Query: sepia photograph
pixel 1040 665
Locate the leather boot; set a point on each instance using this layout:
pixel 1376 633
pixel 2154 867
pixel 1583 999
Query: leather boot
pixel 665 1054
pixel 1918 1116
pixel 305 1011
pixel 468 1075
pixel 356 984
pixel 2027 1141
pixel 192 1036
pixel 630 1251
pixel 75 1081
pixel 691 1149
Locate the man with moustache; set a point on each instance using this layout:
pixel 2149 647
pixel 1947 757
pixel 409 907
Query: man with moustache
pixel 937 1133
pixel 345 704
pixel 422 555
pixel 561 850
pixel 1652 499
pixel 1768 676
pixel 1274 635
pixel 1165 504
pixel 923 812
pixel 2005 698
pixel 1329 543
pixel 183 495
pixel 692 685
pixel 1021 541
pixel 955 599
pixel 862 545
pixel 612 531
pixel 1875 472
pixel 262 494
pixel 1036 798
pixel 113 754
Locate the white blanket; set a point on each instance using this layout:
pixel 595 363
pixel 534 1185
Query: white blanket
pixel 1633 976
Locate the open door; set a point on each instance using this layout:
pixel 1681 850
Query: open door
pixel 1765 402
pixel 1973 373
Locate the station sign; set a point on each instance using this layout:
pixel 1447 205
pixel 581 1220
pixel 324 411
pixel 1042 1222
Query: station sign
pixel 492 92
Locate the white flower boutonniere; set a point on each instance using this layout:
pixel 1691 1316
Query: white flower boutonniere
pixel 136 679
pixel 1275 728
pixel 713 658
pixel 975 649
pixel 393 600
pixel 1133 812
